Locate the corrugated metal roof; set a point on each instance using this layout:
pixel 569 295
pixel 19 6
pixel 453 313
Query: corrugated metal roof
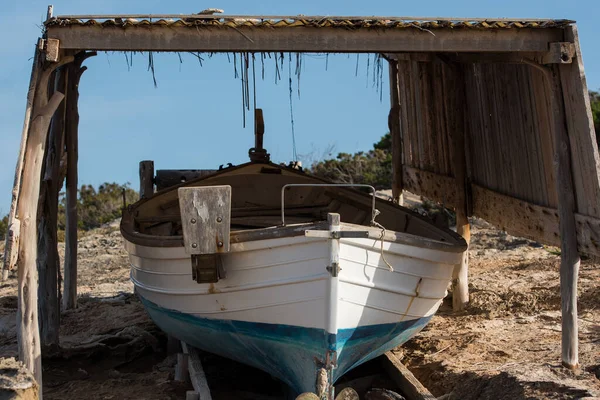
pixel 176 20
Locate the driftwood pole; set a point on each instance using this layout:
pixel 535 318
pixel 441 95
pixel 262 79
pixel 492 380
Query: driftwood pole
pixel 28 335
pixel 396 135
pixel 48 260
pixel 75 70
pixel 14 225
pixel 146 179
pixel 569 255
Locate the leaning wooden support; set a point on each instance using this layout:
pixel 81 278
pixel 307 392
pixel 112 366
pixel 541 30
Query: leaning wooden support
pixel 48 259
pixel 28 335
pixel 406 381
pixel 146 179
pixel 71 138
pixel 14 225
pixel 196 371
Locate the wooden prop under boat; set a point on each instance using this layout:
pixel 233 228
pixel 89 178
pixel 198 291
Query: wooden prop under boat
pixel 305 301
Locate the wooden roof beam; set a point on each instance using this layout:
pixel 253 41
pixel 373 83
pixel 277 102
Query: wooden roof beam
pixel 301 39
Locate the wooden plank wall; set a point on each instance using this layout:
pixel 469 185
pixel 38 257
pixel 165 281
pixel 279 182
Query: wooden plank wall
pixel 509 144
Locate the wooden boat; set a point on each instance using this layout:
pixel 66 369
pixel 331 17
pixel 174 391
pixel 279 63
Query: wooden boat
pixel 306 294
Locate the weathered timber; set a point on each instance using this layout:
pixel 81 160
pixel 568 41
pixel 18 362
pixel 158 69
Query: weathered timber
pixel 48 259
pixel 181 368
pixel 515 216
pixel 75 70
pixel 28 335
pixel 569 255
pixel 455 118
pixel 580 126
pixel 14 225
pixel 433 186
pixel 206 218
pixel 196 371
pixel 396 134
pixel 146 179
pixel 166 178
pixel 300 39
pixel 406 381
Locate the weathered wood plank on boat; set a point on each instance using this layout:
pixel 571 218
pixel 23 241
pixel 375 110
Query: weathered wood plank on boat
pixel 206 218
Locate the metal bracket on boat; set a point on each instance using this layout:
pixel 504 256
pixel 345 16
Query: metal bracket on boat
pixel 334 269
pixel 355 185
pixel 337 234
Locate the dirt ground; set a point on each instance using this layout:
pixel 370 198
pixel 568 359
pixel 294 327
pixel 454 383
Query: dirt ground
pixel 505 346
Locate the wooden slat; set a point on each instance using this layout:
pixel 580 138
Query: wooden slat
pixel 580 126
pixel 406 381
pixel 304 38
pixel 206 218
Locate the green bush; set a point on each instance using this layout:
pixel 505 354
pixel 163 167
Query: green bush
pixel 371 168
pixel 595 103
pixel 97 207
pixel 3 227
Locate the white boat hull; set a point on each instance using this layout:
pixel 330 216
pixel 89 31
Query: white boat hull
pixel 279 308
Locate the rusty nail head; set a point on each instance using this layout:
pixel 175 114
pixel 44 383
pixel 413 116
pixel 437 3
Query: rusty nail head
pixel 193 221
pixel 219 219
pixel 220 243
pixel 194 245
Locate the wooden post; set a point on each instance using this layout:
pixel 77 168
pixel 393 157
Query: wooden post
pixel 14 225
pixel 396 135
pixel 28 335
pixel 455 115
pixel 569 255
pixel 48 260
pixel 146 179
pixel 75 70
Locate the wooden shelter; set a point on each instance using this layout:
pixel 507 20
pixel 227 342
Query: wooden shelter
pixel 491 117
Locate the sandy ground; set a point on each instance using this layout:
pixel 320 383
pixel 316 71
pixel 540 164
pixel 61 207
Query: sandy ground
pixel 505 346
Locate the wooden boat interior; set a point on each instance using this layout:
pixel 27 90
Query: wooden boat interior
pixel 256 204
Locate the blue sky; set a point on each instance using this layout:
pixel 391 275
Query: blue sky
pixel 194 118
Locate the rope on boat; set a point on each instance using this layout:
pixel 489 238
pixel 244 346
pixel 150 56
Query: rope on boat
pixel 377 224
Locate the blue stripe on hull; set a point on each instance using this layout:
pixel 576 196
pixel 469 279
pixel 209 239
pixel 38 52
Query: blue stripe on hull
pixel 291 353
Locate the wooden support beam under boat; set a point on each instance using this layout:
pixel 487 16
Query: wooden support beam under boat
pixel 197 376
pixel 48 260
pixel 146 179
pixel 406 381
pixel 28 333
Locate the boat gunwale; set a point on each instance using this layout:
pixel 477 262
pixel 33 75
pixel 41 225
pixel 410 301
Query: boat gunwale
pixel 275 232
